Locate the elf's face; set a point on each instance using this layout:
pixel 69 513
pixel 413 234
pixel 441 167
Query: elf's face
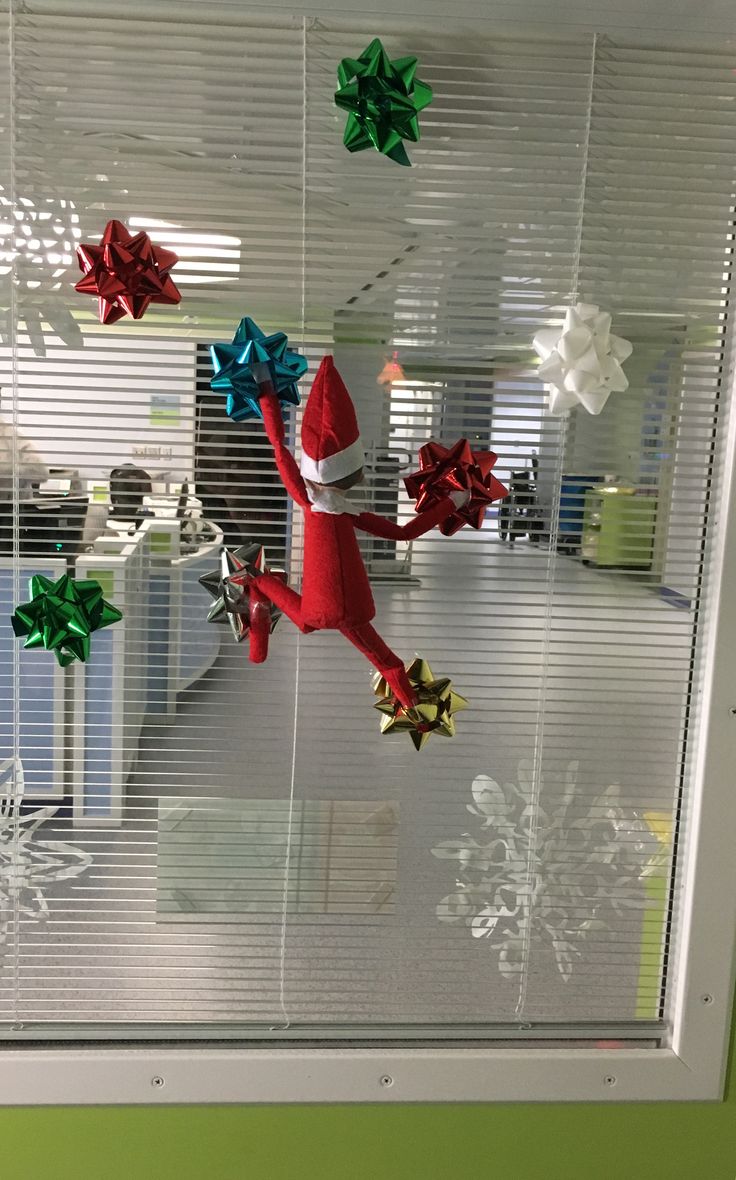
pixel 349 481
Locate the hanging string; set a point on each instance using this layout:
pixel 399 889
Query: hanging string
pixel 575 290
pixel 533 884
pixel 292 785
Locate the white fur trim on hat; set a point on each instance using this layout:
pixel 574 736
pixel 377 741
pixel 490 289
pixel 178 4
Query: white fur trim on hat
pixel 333 467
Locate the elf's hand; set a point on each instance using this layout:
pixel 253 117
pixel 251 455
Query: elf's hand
pixel 262 377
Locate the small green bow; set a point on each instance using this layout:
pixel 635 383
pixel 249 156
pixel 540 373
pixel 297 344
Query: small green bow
pixel 382 98
pixel 62 615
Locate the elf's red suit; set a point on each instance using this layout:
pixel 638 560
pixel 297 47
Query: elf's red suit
pixel 335 588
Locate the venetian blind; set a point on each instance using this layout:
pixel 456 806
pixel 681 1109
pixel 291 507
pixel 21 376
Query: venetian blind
pixel 235 847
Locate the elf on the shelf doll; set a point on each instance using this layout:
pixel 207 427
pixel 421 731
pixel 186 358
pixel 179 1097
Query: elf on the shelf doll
pixel 335 589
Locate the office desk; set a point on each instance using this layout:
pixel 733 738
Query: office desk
pixel 79 726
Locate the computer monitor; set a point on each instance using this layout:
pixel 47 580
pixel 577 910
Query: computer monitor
pixel 47 527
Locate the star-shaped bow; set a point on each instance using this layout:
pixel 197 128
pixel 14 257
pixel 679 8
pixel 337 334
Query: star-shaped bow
pixel 383 99
pixel 581 362
pixel 457 468
pixel 434 712
pixel 126 272
pixel 234 587
pixel 240 368
pixel 62 615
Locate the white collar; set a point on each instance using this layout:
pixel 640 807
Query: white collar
pixel 331 500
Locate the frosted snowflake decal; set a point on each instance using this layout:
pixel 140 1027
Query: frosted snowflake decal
pixel 38 239
pixel 534 876
pixel 28 864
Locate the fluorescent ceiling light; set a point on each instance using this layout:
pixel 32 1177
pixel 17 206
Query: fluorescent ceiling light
pixel 204 257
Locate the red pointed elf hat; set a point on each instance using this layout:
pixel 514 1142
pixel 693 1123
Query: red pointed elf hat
pixel 331 446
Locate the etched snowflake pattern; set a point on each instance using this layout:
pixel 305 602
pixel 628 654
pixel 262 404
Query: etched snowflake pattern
pixel 535 877
pixel 29 864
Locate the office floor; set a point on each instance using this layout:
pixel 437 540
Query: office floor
pixel 119 950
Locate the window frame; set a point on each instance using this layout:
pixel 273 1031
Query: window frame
pixel 691 1068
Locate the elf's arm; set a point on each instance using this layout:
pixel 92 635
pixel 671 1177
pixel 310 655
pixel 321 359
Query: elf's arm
pixel 285 461
pixel 379 526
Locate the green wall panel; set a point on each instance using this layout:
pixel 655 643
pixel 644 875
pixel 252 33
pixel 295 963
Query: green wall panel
pixel 542 1142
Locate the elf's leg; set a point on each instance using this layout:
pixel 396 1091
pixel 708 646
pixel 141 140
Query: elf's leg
pixel 369 642
pixel 282 596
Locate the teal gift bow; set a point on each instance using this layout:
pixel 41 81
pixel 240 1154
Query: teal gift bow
pixel 234 374
pixel 383 99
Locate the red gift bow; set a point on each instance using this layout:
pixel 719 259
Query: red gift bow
pixel 126 272
pixel 450 469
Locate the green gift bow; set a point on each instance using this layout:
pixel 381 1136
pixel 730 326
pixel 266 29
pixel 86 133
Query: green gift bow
pixel 383 99
pixel 62 615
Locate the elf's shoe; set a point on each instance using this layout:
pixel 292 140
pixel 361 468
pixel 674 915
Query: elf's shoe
pixel 431 712
pixel 400 685
pixel 263 613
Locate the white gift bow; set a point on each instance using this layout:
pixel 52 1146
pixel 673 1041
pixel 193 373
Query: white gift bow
pixel 581 361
